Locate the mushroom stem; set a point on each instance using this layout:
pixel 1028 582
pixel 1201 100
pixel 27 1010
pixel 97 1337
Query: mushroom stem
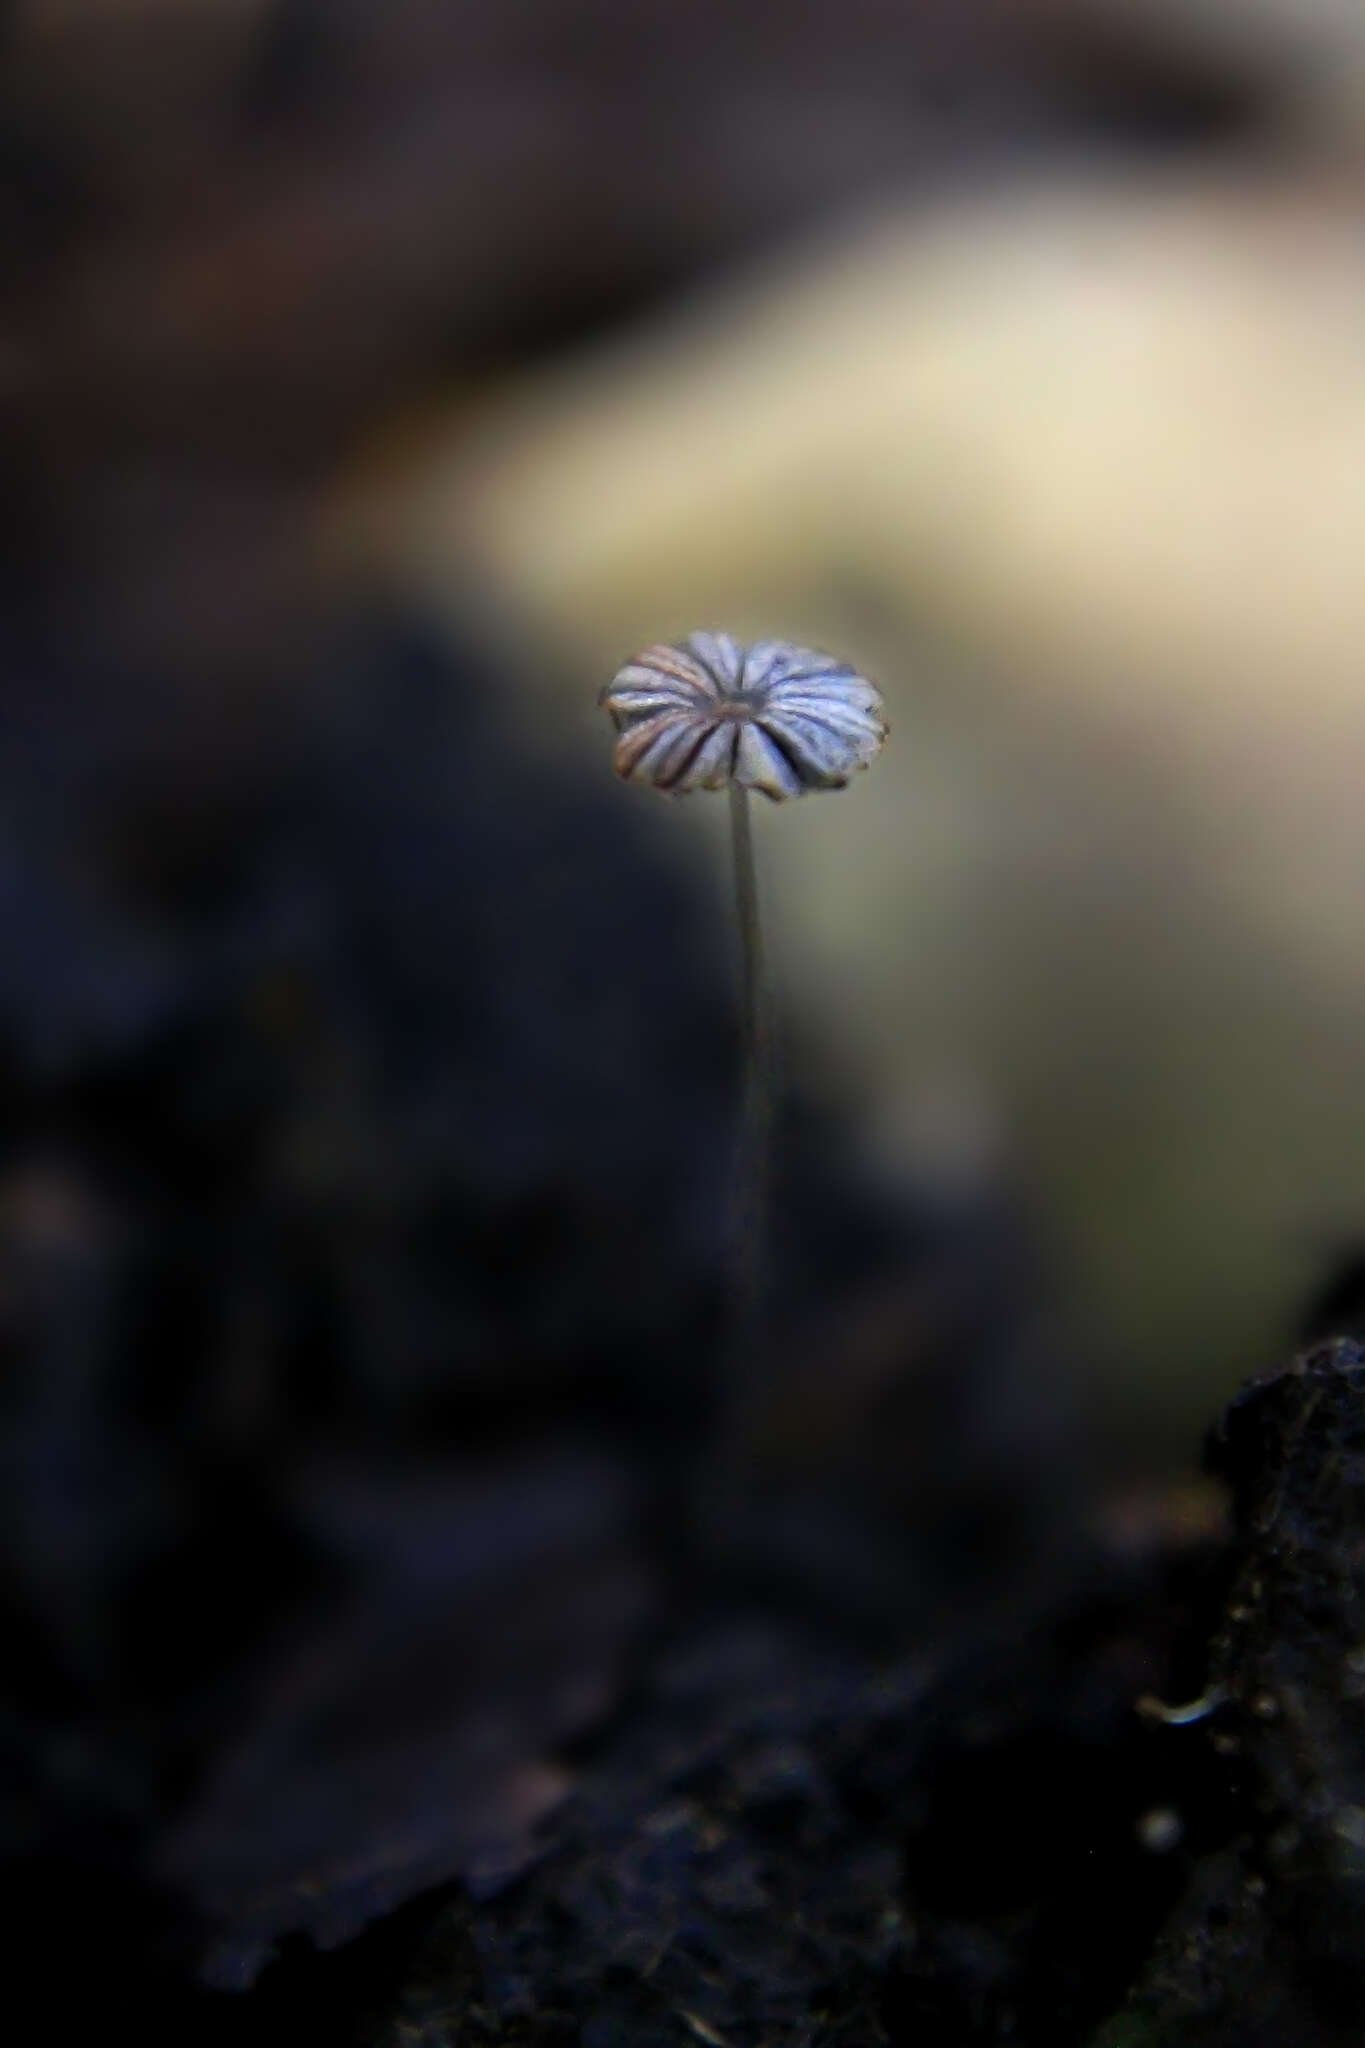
pixel 750 937
pixel 756 1109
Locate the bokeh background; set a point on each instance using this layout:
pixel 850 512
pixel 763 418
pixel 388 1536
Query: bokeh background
pixel 373 379
pixel 1012 350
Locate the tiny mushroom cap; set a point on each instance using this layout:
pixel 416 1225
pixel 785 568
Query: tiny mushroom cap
pixel 711 713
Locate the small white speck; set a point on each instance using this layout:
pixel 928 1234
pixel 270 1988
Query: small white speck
pixel 1160 1830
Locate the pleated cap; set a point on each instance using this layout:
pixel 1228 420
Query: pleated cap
pixel 781 719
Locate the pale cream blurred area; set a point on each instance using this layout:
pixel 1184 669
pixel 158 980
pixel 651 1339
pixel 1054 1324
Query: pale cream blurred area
pixel 1075 463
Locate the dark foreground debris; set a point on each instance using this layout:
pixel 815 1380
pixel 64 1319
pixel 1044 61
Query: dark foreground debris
pixel 790 1843
pixel 987 1843
pixel 1268 1946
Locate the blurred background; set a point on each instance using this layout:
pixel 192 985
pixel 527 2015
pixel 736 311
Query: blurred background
pixel 373 380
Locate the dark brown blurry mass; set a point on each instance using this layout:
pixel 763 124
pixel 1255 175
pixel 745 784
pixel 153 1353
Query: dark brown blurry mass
pixel 239 238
